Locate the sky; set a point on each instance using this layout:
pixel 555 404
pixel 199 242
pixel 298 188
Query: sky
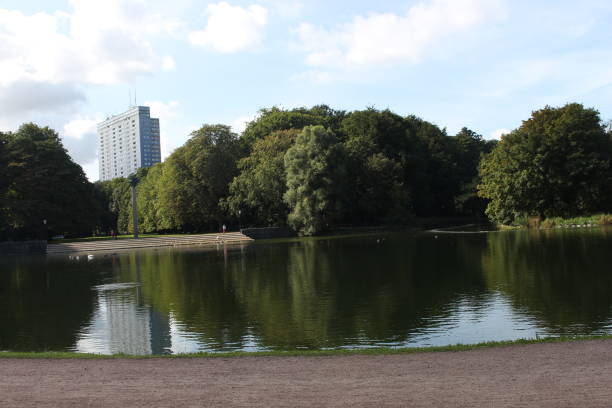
pixel 483 64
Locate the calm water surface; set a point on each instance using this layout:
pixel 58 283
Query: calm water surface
pixel 400 289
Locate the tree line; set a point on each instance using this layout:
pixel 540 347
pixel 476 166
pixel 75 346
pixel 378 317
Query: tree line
pixel 313 169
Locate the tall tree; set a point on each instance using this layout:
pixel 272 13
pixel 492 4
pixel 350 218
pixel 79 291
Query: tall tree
pixel 149 215
pixel 44 185
pixel 4 184
pixel 116 207
pixel 257 192
pixel 275 118
pixel 469 149
pixel 314 166
pixel 556 164
pixel 434 174
pixel 196 177
pixel 378 145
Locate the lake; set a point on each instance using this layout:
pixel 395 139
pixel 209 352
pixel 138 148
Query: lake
pixel 387 289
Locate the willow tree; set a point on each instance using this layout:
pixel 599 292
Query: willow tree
pixel 313 167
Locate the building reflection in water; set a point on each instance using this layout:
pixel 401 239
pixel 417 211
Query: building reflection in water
pixel 122 324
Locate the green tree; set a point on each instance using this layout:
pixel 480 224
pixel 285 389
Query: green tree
pixel 147 199
pixel 196 177
pixel 257 192
pixel 41 182
pixel 115 199
pixel 314 167
pixel 434 172
pixel 556 164
pixel 4 184
pixel 275 118
pixel 378 146
pixel 469 149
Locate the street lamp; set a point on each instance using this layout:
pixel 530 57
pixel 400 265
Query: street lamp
pixel 239 222
pixel 133 179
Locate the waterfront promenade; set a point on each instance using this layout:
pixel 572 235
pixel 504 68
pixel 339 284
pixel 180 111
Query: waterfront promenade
pixel 148 242
pixel 568 374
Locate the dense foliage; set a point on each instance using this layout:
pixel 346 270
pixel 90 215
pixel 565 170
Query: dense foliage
pixel 386 169
pixel 313 166
pixel 184 193
pixel 43 192
pixel 196 177
pixel 557 164
pixel 257 192
pixel 313 169
pixel 271 120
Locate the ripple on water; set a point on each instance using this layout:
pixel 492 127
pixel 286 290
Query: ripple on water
pixel 116 286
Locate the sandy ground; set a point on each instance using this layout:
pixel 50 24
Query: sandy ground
pixel 577 374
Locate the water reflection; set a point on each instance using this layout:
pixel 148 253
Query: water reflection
pixel 392 289
pixel 44 302
pixel 122 324
pixel 562 278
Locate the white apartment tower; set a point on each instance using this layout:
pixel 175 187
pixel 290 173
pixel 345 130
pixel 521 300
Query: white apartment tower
pixel 127 142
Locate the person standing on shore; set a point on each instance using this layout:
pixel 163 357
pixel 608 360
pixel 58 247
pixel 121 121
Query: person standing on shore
pixel 224 228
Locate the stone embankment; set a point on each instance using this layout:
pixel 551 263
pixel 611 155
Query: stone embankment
pixel 148 242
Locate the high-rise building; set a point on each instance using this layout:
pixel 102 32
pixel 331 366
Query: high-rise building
pixel 127 142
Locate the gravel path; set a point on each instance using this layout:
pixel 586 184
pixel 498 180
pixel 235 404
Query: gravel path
pixel 575 374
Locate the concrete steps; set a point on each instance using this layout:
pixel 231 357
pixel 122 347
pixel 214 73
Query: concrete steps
pixel 148 242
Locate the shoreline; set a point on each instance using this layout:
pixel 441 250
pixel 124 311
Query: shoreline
pixel 374 351
pixel 551 374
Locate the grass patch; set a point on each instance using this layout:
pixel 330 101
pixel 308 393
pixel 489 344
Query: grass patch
pixel 299 353
pixel 558 222
pixel 598 219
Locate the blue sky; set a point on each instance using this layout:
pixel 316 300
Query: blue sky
pixel 484 64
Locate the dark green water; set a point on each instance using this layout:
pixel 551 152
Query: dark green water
pixel 379 290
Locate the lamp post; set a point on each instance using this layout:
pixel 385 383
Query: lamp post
pixel 45 229
pixel 239 222
pixel 133 183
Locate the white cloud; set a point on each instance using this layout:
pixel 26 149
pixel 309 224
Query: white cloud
pixel 78 127
pixel 80 138
pixel 91 170
pixel 48 59
pixel 23 97
pixel 287 8
pixel 97 42
pixel 168 63
pixel 387 37
pixel 316 77
pixel 168 113
pixel 239 124
pixel 497 134
pixel 559 78
pixel 231 28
